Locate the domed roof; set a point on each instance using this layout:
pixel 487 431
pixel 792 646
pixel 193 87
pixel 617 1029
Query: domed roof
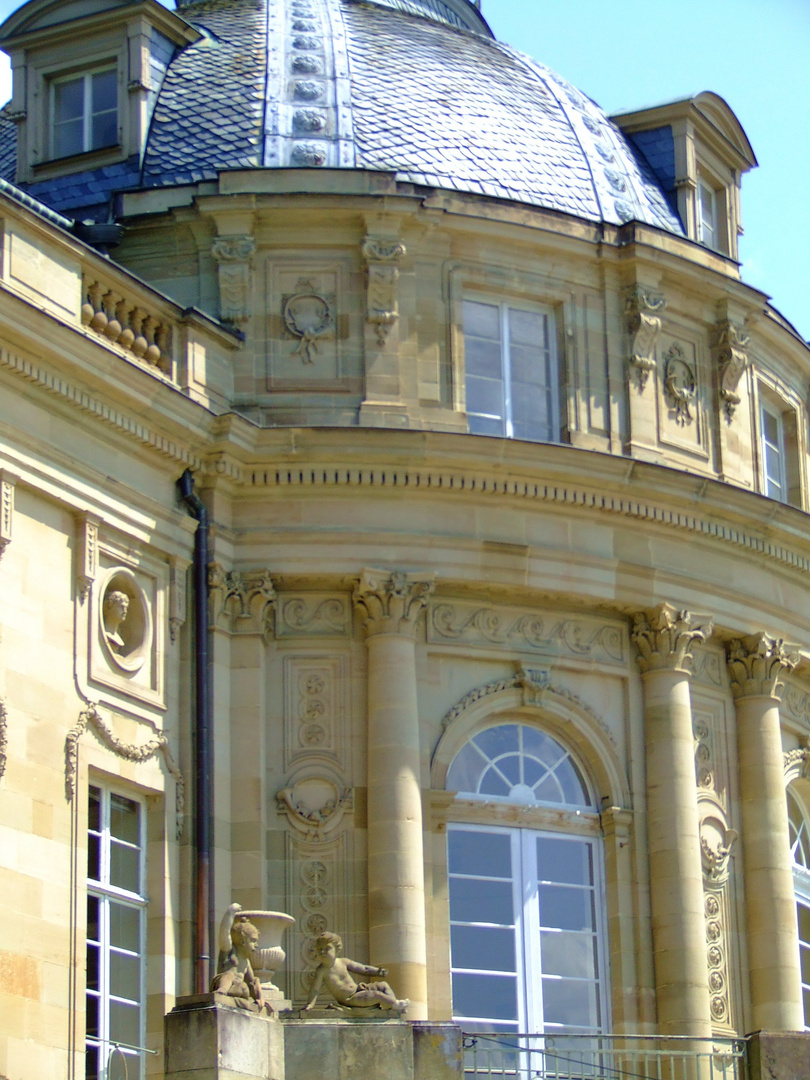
pixel 414 87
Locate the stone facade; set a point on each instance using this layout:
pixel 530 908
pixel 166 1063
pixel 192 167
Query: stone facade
pixel 383 588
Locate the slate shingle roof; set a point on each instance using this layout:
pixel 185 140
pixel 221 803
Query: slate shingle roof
pixel 392 85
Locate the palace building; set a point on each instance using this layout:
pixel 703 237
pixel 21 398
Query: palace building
pixel 403 526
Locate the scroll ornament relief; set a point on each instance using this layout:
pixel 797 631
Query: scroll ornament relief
pixel 234 256
pixel 680 386
pixel 135 752
pixel 303 616
pixel 382 257
pixel 664 635
pixel 241 602
pixel 527 630
pixel 729 349
pixel 642 308
pixel 7 484
pixel 314 804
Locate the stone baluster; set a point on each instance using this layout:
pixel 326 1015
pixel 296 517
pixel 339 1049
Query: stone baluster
pixel 390 604
pixel 663 637
pixel 756 666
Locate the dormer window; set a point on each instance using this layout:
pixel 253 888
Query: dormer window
pixel 85 112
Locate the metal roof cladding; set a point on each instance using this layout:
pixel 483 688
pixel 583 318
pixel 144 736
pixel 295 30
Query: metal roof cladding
pixel 415 87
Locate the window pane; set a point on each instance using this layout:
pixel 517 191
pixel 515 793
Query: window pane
pixel 482 357
pixel 566 907
pixel 475 900
pixel 68 139
pixel 124 867
pixel 124 819
pixel 527 328
pixel 69 100
pixel 91 1016
pixel 124 927
pixel 125 1023
pixel 569 1002
pixel 804 922
pixel 125 974
pixel 482 320
pixel 485 996
pixel 105 130
pixel 567 953
pixel 484 948
pixel 484 396
pixel 805 957
pixel 564 861
pixel 94 810
pixel 464 773
pixel 92 966
pixel 105 91
pixel 498 740
pixel 92 918
pixel 480 853
pixel 93 857
pixel 492 783
pixel 91 1063
pixel 482 425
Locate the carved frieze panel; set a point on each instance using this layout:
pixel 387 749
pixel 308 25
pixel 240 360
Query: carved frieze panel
pixel 313 615
pixel 308 326
pixel 524 630
pixel 681 411
pixel 796 703
pixel 315 690
pixel 716 913
pixel 317 897
pixel 707 666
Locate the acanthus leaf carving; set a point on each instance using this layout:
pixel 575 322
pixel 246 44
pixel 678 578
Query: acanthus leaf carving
pixel 642 307
pixel 757 665
pixel 663 637
pixel 382 256
pixel 241 602
pixel 234 258
pixel 86 554
pixel 798 759
pixel 390 602
pixel 729 349
pixel 134 752
pixel 8 482
pixel 3 738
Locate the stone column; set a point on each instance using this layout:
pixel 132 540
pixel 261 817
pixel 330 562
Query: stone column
pixel 756 666
pixel 663 637
pixel 390 604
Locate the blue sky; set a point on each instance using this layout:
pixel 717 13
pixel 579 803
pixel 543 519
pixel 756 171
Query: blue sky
pixel 754 53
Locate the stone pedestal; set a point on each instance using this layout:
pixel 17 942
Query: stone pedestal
pixel 208 1039
pixel 779 1056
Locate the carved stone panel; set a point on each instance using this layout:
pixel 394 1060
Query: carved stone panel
pixel 642 312
pixel 308 326
pixel 730 354
pixel 681 408
pixel 525 630
pixel 315 689
pixel 312 615
pixel 234 258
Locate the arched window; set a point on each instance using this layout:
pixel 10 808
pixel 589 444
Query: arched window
pixel 800 853
pixel 526 920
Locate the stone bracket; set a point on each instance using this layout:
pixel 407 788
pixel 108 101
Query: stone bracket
pixel 234 258
pixel 642 307
pixel 382 257
pixel 8 482
pixel 729 351
pixel 86 553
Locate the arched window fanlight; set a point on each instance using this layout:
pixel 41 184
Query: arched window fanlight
pixel 799 836
pixel 517 763
pixel 800 853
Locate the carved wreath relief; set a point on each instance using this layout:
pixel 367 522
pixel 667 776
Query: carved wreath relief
pixel 308 316
pixel 679 384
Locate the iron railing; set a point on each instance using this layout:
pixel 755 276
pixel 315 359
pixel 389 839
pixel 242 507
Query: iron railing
pixel 505 1056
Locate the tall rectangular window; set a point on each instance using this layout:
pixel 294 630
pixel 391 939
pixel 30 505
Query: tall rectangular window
pixel 772 432
pixel 512 383
pixel 116 920
pixel 707 215
pixel 84 111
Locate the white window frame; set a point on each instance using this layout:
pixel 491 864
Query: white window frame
pixel 105 892
pixel 708 234
pixel 801 886
pixel 87 115
pixel 768 408
pixel 504 308
pixel 558 821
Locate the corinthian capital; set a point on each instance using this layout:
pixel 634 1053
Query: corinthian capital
pixel 391 601
pixel 663 637
pixel 757 665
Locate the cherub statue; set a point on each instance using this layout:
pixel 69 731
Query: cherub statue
pixel 333 974
pixel 238 942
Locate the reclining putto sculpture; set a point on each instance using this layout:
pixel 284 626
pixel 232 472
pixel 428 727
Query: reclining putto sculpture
pixel 334 974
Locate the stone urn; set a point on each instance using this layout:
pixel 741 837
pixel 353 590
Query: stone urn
pixel 269 956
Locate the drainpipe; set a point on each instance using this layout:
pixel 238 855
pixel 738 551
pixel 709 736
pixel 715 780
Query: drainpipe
pixel 203 729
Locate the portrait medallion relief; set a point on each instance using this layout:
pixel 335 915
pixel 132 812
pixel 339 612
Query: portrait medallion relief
pixel 125 621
